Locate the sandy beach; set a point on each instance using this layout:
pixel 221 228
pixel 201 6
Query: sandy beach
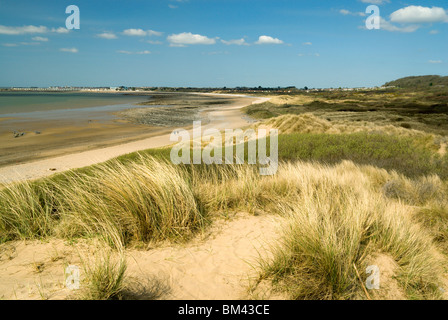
pixel 67 146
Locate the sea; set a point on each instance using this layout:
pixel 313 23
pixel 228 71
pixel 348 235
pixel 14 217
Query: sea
pixel 65 105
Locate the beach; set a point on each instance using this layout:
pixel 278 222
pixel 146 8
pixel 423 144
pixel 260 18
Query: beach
pixel 65 145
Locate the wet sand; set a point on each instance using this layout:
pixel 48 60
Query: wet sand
pixel 64 147
pixel 66 138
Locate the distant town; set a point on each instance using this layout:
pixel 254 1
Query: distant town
pixel 248 90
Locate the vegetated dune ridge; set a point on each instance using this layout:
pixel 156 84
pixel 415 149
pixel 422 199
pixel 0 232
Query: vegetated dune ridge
pixel 334 222
pixel 419 82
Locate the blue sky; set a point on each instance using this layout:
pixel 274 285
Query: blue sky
pixel 220 43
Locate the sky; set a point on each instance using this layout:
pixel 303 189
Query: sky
pixel 217 43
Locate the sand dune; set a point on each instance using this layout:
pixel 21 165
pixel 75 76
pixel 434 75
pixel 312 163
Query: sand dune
pixel 217 266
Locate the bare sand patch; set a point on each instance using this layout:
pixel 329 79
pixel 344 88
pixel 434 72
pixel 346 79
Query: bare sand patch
pixel 218 265
pixel 442 150
pixel 389 286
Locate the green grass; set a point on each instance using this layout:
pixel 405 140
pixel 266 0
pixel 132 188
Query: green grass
pixel 136 202
pixel 339 220
pixel 145 200
pixel 103 278
pixel 28 211
pixel 338 213
pixel 405 155
pixel 423 110
pixel 413 157
pixel 434 217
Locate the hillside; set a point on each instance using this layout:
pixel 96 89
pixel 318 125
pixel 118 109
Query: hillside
pixel 419 82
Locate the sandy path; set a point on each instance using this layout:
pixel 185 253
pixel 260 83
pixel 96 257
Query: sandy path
pixel 222 118
pixel 217 267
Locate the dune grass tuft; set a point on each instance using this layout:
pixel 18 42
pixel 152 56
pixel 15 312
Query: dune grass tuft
pixel 146 200
pixel 103 278
pixel 337 220
pixel 27 211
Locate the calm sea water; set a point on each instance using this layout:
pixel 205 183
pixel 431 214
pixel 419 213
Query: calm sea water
pixel 50 105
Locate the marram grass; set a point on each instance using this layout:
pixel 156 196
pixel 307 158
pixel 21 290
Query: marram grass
pixel 336 216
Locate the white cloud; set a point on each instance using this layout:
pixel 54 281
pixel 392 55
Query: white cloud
pixel 107 35
pixel 410 19
pixel 172 6
pixel 60 30
pixel 134 32
pixel 187 38
pixel 29 43
pixel 22 44
pixel 214 53
pixel 22 30
pixel 434 32
pixel 238 42
pixel 309 54
pixel 435 61
pixel 41 39
pixel 347 12
pixel 419 14
pixel 376 1
pixel 177 45
pixel 141 33
pixel 307 43
pixel 154 42
pixel 71 50
pixel 268 40
pixel 386 25
pixel 138 52
pixel 30 30
pixel 154 33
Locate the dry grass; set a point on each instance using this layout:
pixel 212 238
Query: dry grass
pixel 337 216
pixel 103 277
pixel 337 219
pixel 293 100
pixel 26 211
pixel 340 216
pixel 423 110
pixel 147 200
pixel 434 217
pixel 309 123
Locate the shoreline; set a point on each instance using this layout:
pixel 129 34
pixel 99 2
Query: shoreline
pixel 22 104
pixel 228 116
